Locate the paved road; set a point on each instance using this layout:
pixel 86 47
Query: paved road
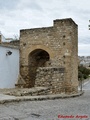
pixel 48 110
pixel 86 85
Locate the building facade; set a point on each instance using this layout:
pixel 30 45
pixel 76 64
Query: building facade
pixel 9 63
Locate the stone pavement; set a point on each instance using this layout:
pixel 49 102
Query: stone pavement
pixel 47 109
pixel 7 98
pixel 34 91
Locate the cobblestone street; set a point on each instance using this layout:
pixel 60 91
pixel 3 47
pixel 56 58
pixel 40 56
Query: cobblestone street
pixel 47 110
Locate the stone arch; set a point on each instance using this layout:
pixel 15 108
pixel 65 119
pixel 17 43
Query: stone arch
pixel 37 58
pixel 43 47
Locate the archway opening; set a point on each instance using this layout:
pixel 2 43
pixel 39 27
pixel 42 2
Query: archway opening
pixel 37 58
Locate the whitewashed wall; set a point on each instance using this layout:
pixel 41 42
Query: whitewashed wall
pixel 9 67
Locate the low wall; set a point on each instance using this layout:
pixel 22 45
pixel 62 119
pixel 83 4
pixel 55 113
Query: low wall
pixel 51 77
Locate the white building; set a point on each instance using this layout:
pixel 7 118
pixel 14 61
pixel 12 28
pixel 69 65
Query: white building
pixel 9 64
pixel 85 61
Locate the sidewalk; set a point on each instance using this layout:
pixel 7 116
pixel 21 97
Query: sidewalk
pixel 8 98
pixel 84 82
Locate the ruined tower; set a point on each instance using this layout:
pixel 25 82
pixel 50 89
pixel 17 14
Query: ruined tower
pixel 49 57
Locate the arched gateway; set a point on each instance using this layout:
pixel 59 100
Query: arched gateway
pixel 49 57
pixel 37 58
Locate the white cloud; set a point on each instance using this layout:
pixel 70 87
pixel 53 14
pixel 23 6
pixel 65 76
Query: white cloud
pixel 23 14
pixel 84 49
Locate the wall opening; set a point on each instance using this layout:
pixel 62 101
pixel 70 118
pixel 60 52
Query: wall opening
pixel 37 58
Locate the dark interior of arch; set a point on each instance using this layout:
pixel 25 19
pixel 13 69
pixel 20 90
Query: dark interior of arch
pixel 37 58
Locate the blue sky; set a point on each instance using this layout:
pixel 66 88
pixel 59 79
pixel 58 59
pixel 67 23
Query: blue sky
pixel 23 14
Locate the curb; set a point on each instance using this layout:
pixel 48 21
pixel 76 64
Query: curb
pixel 40 98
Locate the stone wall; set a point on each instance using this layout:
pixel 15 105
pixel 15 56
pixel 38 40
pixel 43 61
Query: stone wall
pixel 15 42
pixel 51 77
pixel 60 42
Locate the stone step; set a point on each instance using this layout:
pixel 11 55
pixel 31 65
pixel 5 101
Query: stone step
pixel 25 91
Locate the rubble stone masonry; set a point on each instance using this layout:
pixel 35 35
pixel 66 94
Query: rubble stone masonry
pixel 44 52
